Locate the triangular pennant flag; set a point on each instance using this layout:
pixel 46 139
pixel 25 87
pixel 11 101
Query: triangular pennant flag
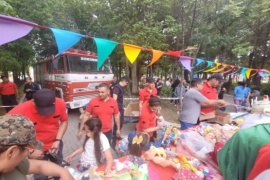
pixel 243 72
pixel 186 63
pixel 199 61
pixel 104 49
pixel 209 63
pixel 210 70
pixel 175 53
pixel 265 74
pixel 229 70
pixel 65 39
pixel 132 52
pixel 248 73
pixel 156 54
pixel 221 69
pixel 261 73
pixel 13 28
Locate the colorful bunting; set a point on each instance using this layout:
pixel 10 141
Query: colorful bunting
pixel 243 72
pixel 186 63
pixel 13 28
pixel 199 61
pixel 156 54
pixel 132 52
pixel 65 39
pixel 104 49
pixel 210 70
pixel 248 73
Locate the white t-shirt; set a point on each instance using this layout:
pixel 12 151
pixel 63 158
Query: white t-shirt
pixel 88 156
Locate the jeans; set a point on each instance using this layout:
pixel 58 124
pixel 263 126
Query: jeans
pixel 238 102
pixel 108 134
pixel 185 125
pixel 114 137
pixel 57 159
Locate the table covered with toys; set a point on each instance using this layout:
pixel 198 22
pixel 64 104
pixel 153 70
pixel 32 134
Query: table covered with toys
pixel 188 154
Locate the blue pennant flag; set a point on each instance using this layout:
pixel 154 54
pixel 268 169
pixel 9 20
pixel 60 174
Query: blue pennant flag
pixel 65 39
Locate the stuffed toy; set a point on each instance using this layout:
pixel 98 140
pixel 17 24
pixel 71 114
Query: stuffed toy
pixel 158 156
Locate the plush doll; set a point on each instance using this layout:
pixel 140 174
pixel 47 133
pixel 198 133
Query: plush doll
pixel 186 164
pixel 158 156
pixel 210 137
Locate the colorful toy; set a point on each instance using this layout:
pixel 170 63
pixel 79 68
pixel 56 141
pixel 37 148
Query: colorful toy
pixel 186 164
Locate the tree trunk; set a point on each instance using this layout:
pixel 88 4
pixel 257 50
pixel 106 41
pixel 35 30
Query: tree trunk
pixel 128 75
pixel 134 78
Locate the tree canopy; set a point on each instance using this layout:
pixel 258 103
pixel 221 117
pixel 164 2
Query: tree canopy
pixel 234 32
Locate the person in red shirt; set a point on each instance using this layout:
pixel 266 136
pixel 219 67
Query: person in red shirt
pixel 9 93
pixel 49 115
pixel 147 119
pixel 105 108
pixel 147 91
pixel 210 91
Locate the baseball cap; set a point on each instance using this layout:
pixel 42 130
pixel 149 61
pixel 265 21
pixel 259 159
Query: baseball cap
pixel 218 77
pixel 18 130
pixel 45 101
pixel 150 80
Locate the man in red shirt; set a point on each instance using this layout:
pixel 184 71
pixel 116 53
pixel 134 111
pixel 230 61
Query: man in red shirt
pixel 105 108
pixel 147 91
pixel 49 115
pixel 9 93
pixel 210 91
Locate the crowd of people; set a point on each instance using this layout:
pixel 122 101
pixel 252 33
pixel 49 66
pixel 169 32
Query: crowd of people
pixel 46 117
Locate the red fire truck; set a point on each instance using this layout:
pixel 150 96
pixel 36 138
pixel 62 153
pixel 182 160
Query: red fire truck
pixel 73 76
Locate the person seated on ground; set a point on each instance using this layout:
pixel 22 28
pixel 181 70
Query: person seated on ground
pixel 148 119
pixel 96 148
pixel 17 136
pixel 192 103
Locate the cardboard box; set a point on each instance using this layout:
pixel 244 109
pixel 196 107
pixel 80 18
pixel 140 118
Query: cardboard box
pixel 221 117
pixel 131 113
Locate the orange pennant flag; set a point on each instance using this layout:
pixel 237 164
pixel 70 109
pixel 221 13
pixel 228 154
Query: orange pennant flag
pixel 248 73
pixel 132 52
pixel 256 71
pixel 155 56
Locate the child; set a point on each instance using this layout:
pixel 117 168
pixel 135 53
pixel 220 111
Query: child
pixel 138 142
pixel 95 147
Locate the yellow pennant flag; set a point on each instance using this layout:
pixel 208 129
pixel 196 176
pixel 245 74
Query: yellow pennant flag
pixel 132 52
pixel 210 70
pixel 155 56
pixel 221 69
pixel 248 73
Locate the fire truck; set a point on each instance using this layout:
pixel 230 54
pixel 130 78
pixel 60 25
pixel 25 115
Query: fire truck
pixel 73 76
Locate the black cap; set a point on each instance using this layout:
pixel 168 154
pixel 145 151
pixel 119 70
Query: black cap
pixel 150 80
pixel 45 101
pixel 218 77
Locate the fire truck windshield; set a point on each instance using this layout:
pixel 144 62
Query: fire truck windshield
pixel 85 64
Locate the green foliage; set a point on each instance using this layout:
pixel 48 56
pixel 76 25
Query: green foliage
pixel 166 91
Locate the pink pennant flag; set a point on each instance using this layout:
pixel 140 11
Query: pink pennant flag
pixel 12 28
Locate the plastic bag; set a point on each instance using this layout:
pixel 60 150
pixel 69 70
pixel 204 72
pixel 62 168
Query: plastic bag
pixel 196 144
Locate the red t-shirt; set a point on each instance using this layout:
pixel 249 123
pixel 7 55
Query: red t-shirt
pixel 8 88
pixel 210 93
pixel 147 119
pixel 46 126
pixel 104 110
pixel 145 94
